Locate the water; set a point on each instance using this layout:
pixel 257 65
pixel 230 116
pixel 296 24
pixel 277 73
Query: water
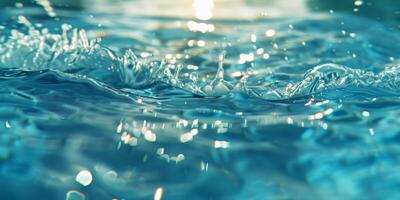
pixel 96 104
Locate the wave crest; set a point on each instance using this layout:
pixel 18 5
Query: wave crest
pixel 72 51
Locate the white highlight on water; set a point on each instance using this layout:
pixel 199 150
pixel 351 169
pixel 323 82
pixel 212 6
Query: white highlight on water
pixel 158 193
pixel 84 177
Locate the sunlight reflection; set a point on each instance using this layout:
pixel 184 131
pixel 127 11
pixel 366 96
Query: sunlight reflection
pixel 270 33
pixel 203 9
pixel 158 193
pixel 84 178
pixel 221 144
pixel 200 27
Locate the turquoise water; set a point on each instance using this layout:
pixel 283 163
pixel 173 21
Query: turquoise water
pixel 108 105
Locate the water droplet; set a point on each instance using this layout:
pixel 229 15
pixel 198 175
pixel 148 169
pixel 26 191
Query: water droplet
pixel 47 7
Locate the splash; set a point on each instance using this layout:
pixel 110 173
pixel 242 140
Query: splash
pixel 47 7
pixel 73 52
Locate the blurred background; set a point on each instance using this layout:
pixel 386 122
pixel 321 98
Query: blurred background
pixel 387 10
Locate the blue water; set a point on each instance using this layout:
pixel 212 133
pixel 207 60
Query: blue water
pixel 98 105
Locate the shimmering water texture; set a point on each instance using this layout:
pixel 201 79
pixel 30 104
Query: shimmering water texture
pixel 117 107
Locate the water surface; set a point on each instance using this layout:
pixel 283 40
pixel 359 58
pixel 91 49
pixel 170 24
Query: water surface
pixel 268 104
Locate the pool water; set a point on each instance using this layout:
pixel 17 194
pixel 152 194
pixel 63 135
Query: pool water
pixel 102 104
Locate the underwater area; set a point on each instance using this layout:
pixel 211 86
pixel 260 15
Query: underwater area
pixel 200 99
